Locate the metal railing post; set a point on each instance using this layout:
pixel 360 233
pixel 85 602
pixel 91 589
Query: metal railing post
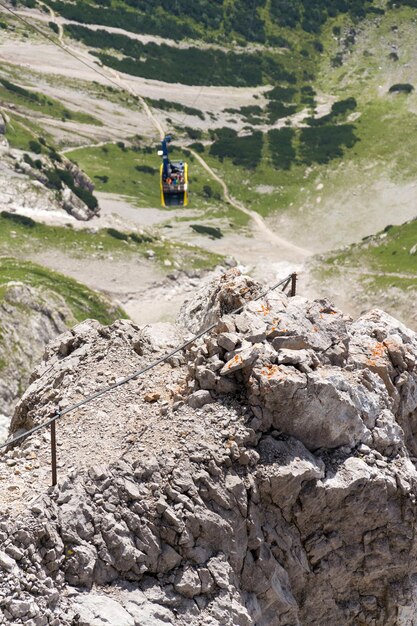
pixel 53 453
pixel 293 285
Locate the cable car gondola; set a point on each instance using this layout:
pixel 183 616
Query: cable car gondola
pixel 173 178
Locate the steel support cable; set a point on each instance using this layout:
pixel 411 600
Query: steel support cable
pixel 285 282
pixel 58 44
pixel 91 67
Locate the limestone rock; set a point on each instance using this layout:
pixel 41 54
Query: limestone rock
pixel 281 492
pixel 26 312
pixel 101 610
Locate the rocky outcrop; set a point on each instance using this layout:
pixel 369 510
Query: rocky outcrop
pixel 29 183
pixel 4 144
pixel 265 477
pixel 30 318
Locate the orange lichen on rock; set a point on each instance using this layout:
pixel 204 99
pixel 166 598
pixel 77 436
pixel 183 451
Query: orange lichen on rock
pixel 378 351
pixel 264 309
pixel 236 359
pixel 270 371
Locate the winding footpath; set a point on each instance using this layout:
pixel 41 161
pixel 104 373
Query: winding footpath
pixel 296 253
pixel 299 254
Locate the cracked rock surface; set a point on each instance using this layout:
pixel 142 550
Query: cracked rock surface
pixel 30 317
pixel 263 477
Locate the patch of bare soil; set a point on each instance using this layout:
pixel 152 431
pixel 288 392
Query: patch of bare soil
pixel 347 215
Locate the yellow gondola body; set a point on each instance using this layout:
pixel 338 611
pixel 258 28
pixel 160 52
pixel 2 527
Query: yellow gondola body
pixel 174 190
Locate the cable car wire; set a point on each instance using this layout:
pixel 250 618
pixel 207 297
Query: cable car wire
pixel 88 65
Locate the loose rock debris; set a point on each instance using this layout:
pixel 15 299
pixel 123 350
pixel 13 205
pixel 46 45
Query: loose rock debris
pixel 266 477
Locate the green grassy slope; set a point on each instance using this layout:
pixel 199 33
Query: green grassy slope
pixel 22 237
pixel 316 153
pixel 134 171
pixel 323 53
pixel 390 254
pixel 82 301
pixel 379 271
pixel 27 100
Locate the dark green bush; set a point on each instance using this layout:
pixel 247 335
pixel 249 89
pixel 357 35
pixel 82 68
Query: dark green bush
pixel 245 151
pixel 117 234
pixel 252 114
pixel 66 178
pixel 321 144
pixel 283 94
pixel 198 147
pixel 87 197
pixel 35 147
pixel 343 106
pixel 278 110
pixel 22 220
pixel 401 88
pixel 146 169
pixel 27 159
pixel 54 179
pixel 282 147
pixel 141 238
pixel 20 91
pixel 338 110
pixel 155 23
pixel 165 105
pixel 190 66
pixel 54 156
pixel 193 133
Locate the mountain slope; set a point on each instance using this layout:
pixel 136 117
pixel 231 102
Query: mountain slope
pixel 379 271
pixel 272 498
pixel 36 305
pixel 322 148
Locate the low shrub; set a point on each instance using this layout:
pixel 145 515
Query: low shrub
pixel 141 238
pixel 245 151
pixel 193 133
pixel 401 88
pixel 35 146
pixel 146 169
pixel 198 147
pixel 321 144
pixel 213 233
pixel 22 220
pixel 117 234
pixel 282 147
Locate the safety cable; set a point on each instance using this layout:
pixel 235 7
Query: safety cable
pixel 159 361
pixel 285 282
